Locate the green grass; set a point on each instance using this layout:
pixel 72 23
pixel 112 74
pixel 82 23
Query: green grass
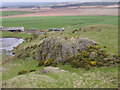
pixel 71 22
pixel 13 34
pixel 96 77
pixel 11 70
pixel 106 37
pixel 9 13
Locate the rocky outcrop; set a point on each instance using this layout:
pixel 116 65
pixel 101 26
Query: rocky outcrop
pixel 59 49
pixel 79 52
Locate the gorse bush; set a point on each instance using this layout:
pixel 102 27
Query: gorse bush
pixel 49 62
pixel 83 53
pixel 93 56
pixel 79 52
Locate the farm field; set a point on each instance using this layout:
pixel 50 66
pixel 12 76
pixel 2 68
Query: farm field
pixel 69 22
pixel 102 29
pixel 66 12
pixel 9 13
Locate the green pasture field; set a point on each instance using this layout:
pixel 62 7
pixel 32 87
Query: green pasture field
pixel 70 22
pixel 8 13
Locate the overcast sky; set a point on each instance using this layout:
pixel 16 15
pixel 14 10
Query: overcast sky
pixel 57 0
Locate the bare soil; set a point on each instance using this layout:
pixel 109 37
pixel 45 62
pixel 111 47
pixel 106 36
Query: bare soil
pixel 64 11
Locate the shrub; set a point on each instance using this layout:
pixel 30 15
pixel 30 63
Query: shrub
pixel 48 62
pixel 22 72
pixel 93 56
pixel 94 63
pixel 74 31
pixel 41 62
pixel 34 35
pixel 116 56
pixel 32 70
pixel 35 46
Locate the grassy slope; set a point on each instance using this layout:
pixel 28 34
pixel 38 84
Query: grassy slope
pixel 8 13
pixel 103 77
pixel 107 37
pixel 97 77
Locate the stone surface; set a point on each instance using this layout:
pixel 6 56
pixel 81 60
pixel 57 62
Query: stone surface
pixel 60 49
pixel 51 69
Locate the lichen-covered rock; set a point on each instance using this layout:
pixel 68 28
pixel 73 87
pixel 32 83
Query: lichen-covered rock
pixel 52 69
pixel 58 49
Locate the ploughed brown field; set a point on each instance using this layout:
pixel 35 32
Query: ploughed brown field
pixel 70 11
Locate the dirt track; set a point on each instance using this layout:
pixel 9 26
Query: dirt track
pixel 67 12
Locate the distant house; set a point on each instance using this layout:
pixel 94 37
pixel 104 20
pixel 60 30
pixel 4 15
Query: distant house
pixel 56 29
pixel 12 29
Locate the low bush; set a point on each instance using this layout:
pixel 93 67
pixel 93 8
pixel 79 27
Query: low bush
pixel 32 70
pixel 49 62
pixel 93 56
pixel 22 72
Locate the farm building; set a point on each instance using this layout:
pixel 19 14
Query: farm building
pixel 56 29
pixel 12 29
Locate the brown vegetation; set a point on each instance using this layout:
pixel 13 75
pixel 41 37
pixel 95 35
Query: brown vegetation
pixel 64 12
pixel 22 72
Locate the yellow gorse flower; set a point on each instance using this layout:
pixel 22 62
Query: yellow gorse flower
pixel 93 63
pixel 96 47
pixel 106 54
